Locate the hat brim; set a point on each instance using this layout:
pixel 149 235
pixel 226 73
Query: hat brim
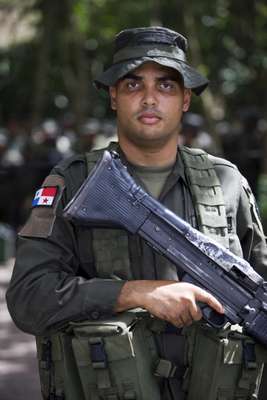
pixel 192 79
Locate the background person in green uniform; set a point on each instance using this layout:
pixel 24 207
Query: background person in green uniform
pixel 67 273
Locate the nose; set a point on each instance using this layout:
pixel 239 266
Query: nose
pixel 149 96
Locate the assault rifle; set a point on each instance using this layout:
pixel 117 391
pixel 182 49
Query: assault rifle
pixel 109 197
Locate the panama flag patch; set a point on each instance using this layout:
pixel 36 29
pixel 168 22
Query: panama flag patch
pixel 45 196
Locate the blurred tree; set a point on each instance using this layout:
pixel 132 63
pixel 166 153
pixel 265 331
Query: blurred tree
pixel 61 63
pixel 71 45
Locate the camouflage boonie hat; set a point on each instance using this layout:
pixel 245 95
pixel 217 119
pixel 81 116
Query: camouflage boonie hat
pixel 134 47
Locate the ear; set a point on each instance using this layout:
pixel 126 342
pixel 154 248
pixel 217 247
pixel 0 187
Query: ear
pixel 113 95
pixel 187 99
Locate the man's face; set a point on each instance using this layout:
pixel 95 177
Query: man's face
pixel 149 103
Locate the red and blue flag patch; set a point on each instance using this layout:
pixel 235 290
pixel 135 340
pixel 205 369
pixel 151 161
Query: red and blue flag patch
pixel 45 196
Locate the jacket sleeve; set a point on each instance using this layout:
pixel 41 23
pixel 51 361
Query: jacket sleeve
pixel 246 234
pixel 250 231
pixel 46 289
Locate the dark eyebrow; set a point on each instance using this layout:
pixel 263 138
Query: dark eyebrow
pixel 174 78
pixel 131 76
pixel 160 78
pixel 169 77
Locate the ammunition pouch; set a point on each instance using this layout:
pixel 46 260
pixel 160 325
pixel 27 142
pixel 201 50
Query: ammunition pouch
pixel 104 360
pixel 222 365
pixel 116 359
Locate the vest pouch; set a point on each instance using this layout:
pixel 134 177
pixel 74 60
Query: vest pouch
pixel 222 365
pixel 115 358
pixel 110 248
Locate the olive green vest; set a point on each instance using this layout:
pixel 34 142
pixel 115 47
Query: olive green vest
pixel 226 379
pixel 115 359
pixel 208 203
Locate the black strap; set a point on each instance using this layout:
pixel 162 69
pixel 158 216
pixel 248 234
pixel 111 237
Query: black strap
pixel 168 370
pixel 98 353
pixel 53 396
pixel 249 354
pixel 46 355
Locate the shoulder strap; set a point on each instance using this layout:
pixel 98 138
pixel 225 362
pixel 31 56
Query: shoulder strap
pixel 92 158
pixel 206 194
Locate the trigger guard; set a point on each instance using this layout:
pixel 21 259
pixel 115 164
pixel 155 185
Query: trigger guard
pixel 213 317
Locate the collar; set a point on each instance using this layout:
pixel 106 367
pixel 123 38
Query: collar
pixel 178 171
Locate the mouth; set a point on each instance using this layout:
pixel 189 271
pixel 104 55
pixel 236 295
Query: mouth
pixel 149 118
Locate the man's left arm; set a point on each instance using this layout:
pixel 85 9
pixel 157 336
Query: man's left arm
pixel 250 231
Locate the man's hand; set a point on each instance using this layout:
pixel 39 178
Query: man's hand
pixel 175 302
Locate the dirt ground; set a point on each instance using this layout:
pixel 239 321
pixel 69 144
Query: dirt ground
pixel 18 365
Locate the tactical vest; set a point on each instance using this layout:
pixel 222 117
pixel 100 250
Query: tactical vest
pixel 209 207
pixel 110 360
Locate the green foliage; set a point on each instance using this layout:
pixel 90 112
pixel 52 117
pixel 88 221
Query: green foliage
pixel 81 12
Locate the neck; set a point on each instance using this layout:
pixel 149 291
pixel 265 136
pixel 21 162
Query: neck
pixel 157 156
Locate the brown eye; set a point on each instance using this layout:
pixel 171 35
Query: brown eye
pixel 132 85
pixel 167 85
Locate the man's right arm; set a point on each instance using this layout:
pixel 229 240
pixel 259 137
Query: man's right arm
pixel 46 292
pixel 175 302
pixel 47 288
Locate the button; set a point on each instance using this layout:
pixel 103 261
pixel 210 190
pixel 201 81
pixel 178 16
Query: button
pixel 95 315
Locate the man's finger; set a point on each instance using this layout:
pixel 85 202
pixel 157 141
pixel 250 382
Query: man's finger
pixel 205 297
pixel 178 323
pixel 186 317
pixel 195 312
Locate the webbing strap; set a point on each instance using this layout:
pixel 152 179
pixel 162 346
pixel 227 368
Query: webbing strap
pixel 98 353
pixel 249 364
pixel 50 375
pixel 166 369
pixel 249 354
pixel 206 194
pixel 99 362
pixel 46 357
pixel 56 397
pixel 92 159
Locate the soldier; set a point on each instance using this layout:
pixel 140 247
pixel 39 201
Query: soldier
pixel 67 273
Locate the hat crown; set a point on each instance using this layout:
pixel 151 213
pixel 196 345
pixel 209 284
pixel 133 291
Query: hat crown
pixel 149 35
pixel 136 46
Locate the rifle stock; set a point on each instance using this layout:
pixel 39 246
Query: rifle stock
pixel 109 197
